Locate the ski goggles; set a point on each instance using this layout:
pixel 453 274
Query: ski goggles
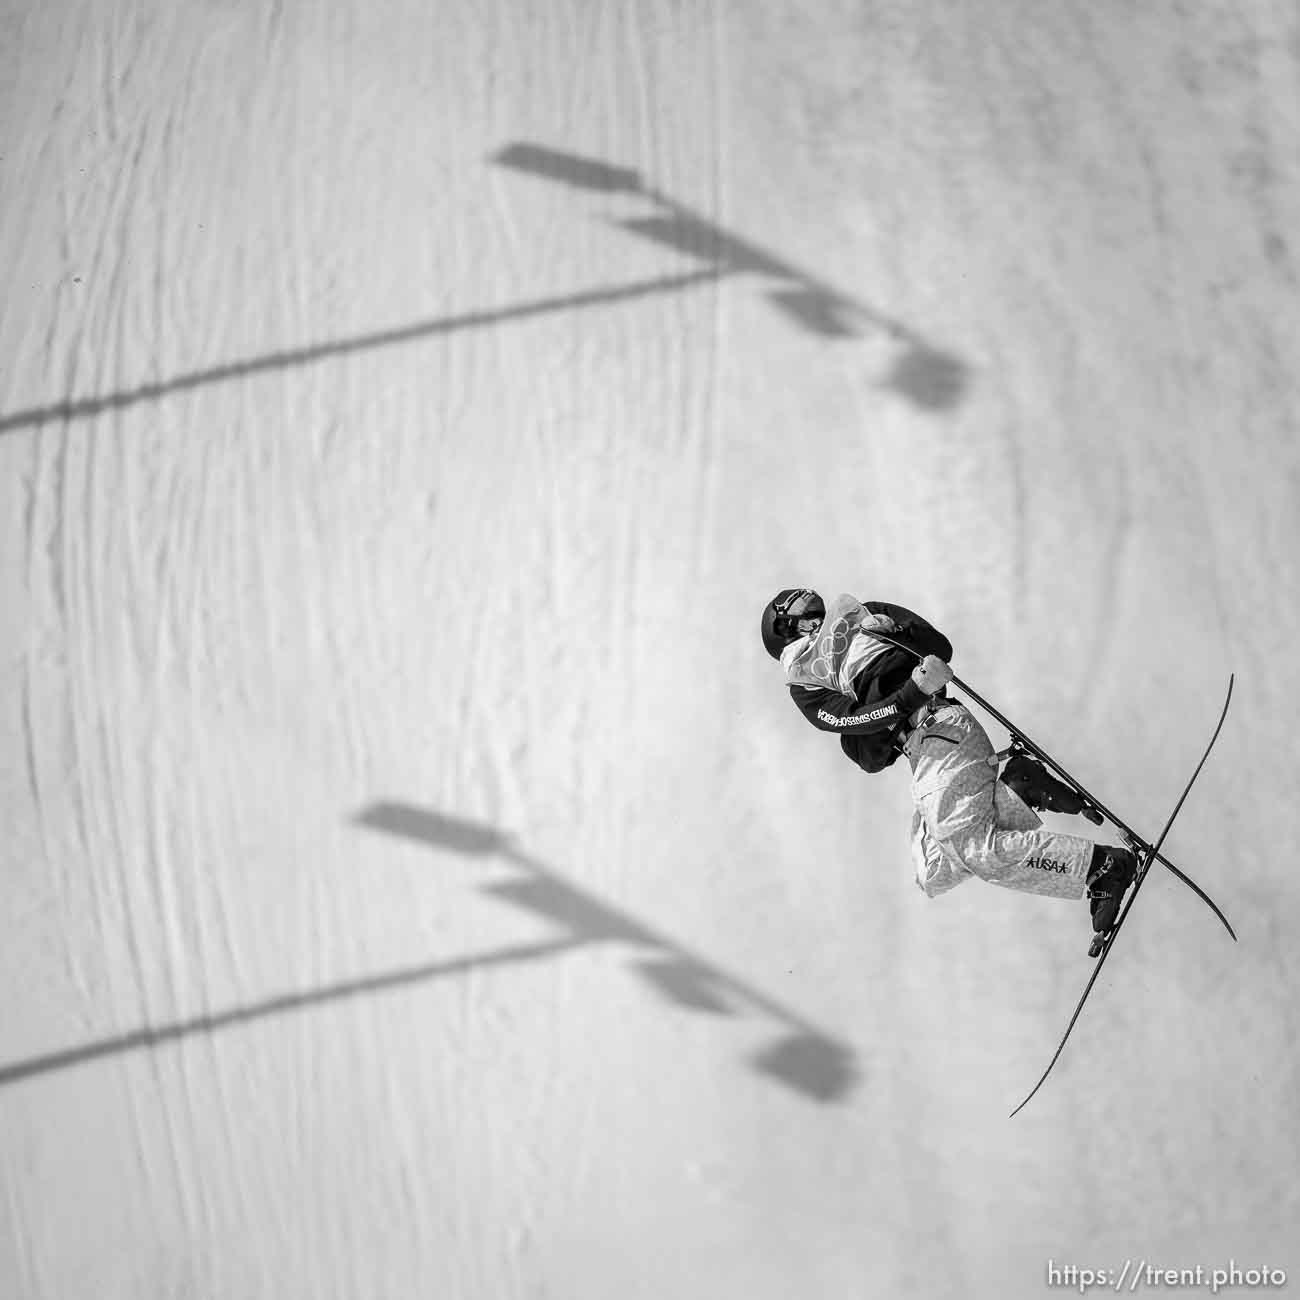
pixel 796 605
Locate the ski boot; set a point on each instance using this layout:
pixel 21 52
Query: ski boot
pixel 1042 791
pixel 1110 873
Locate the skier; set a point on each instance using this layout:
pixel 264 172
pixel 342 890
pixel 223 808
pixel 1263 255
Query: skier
pixel 966 821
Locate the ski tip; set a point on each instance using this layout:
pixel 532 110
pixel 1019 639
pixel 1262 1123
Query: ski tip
pixel 1032 1093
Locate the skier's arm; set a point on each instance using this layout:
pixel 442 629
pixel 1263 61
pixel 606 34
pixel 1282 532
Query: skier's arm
pixel 829 710
pixel 913 630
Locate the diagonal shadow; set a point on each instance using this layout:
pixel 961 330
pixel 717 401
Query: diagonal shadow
pixel 160 1035
pixel 83 408
pixel 922 373
pixel 802 1057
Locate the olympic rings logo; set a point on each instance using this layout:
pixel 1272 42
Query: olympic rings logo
pixel 832 645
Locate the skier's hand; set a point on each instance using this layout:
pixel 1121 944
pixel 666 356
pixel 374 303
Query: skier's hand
pixel 931 674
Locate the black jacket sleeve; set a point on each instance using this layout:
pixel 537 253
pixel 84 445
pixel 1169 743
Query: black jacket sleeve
pixel 914 631
pixel 872 710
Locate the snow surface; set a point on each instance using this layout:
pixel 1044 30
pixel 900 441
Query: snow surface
pixel 417 882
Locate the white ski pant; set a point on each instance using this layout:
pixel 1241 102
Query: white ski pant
pixel 966 823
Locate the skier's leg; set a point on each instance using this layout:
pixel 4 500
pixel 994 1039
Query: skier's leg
pixel 1035 862
pixel 938 869
pixel 1038 788
pixel 954 791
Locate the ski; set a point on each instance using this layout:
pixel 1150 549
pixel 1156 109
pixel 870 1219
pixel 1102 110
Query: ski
pixel 1139 845
pixel 1151 854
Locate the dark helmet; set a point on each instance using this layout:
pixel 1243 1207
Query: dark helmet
pixel 782 614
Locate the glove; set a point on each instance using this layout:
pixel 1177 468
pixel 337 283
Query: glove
pixel 931 674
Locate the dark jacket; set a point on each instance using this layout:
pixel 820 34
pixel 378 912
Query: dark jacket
pixel 884 695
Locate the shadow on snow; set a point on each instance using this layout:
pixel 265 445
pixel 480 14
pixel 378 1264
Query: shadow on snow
pixel 919 372
pixel 801 1057
pixel 923 374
